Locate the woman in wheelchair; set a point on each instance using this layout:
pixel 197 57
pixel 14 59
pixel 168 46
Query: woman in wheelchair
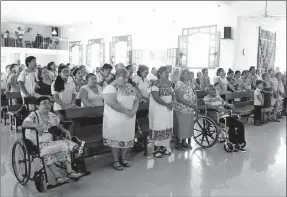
pixel 53 151
pixel 216 111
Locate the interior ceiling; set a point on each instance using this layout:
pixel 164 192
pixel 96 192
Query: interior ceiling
pixel 60 13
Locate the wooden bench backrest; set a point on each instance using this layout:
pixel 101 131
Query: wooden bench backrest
pixel 93 111
pixel 13 95
pixel 241 94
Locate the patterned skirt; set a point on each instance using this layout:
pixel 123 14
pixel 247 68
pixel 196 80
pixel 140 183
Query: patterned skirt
pixel 160 122
pixel 56 151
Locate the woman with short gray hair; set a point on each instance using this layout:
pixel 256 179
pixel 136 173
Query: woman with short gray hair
pixel 184 110
pixel 120 107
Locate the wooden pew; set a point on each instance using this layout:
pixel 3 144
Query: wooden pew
pixel 92 134
pixel 242 108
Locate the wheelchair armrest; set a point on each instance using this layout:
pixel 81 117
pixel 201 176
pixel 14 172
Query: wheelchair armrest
pixel 31 128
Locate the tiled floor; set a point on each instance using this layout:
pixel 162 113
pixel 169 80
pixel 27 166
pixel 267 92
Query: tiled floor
pixel 200 172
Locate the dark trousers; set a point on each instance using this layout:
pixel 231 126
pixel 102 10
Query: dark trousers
pixel 257 115
pixel 236 130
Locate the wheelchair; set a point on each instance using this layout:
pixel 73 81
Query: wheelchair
pixel 30 152
pixel 207 131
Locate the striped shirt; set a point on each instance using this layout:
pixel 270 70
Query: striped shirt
pixel 215 101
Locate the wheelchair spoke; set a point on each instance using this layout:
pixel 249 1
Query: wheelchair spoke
pixel 202 139
pixel 198 135
pixel 200 126
pixel 210 136
pixel 207 140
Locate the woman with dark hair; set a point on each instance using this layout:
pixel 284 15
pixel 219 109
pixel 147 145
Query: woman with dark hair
pixel 237 80
pixel 43 86
pixel 141 81
pixel 51 67
pixel 130 69
pixel 230 79
pixel 222 80
pixel 91 94
pixel 245 81
pixel 12 83
pixel 78 78
pixel 52 151
pixel 121 105
pixel 63 91
pixel 161 113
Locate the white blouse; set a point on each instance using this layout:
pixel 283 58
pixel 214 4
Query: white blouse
pixel 66 95
pixel 143 86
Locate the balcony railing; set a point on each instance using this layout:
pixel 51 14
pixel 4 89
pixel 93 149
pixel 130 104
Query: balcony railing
pixel 35 41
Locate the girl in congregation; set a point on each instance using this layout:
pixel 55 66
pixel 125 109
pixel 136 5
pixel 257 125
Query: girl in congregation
pixel 222 80
pixel 51 67
pixel 245 81
pixel 161 113
pixel 142 83
pixel 258 103
pixel 63 91
pixel 78 78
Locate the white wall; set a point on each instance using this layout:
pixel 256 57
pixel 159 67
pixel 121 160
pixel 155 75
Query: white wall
pixel 280 55
pixel 248 32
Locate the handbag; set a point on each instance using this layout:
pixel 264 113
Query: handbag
pixel 55 131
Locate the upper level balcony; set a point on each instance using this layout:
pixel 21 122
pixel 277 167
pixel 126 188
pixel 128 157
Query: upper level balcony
pixel 35 41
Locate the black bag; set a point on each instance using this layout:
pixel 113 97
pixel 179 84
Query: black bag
pixel 57 133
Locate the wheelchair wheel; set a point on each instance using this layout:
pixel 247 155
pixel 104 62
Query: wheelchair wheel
pixel 228 147
pixel 205 132
pixel 243 144
pixel 39 183
pixel 21 162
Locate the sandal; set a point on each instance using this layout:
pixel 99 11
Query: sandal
pixel 117 166
pixel 188 146
pixel 157 154
pixel 62 180
pixel 165 152
pixel 125 163
pixel 179 147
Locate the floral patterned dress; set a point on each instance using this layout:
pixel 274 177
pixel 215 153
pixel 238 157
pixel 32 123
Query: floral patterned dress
pixel 183 114
pixel 160 117
pixel 51 151
pixel 118 128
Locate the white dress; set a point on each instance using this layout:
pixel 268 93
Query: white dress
pixel 119 129
pixel 160 117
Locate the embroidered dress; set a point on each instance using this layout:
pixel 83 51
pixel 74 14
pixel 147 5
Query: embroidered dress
pixel 184 115
pixel 160 117
pixel 118 128
pixel 52 151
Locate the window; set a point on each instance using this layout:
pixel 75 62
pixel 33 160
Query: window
pixel 121 50
pixel 171 58
pixel 137 56
pixel 95 53
pixel 75 53
pixel 199 47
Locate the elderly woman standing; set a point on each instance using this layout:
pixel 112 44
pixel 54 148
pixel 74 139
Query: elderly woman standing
pixel 120 107
pixel 184 110
pixel 161 113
